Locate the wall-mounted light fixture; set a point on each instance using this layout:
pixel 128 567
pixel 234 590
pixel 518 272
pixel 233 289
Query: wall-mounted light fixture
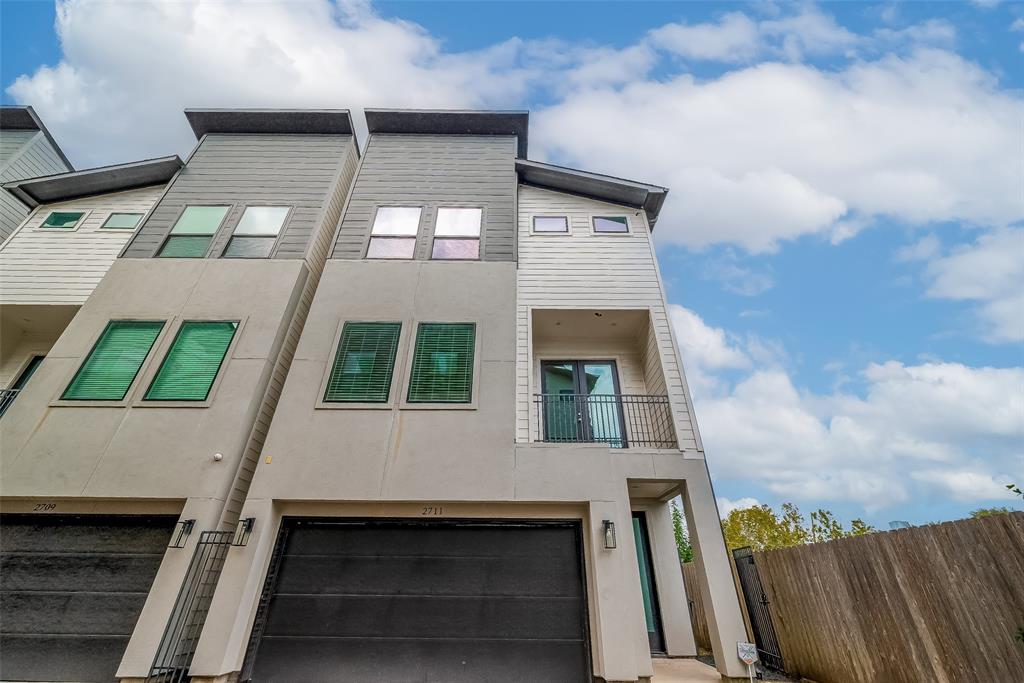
pixel 181 532
pixel 609 534
pixel 242 532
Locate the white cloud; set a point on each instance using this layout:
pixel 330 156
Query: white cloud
pixel 991 272
pixel 725 506
pixel 926 248
pixel 736 278
pixel 773 152
pixel 733 39
pixel 925 431
pixel 1018 24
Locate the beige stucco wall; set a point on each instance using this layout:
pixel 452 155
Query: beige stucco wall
pixel 135 451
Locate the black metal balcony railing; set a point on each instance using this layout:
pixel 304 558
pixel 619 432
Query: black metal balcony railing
pixel 619 420
pixel 7 397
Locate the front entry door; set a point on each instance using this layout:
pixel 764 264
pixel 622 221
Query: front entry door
pixel 650 591
pixel 581 402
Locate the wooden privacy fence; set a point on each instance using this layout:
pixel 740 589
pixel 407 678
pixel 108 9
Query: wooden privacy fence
pixel 697 616
pixel 938 603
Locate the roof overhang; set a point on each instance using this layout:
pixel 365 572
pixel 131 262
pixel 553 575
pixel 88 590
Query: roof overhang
pixel 451 122
pixel 25 118
pixel 269 121
pixel 104 180
pixel 605 188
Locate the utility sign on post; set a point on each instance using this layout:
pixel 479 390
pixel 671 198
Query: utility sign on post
pixel 747 652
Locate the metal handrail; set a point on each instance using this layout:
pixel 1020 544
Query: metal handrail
pixel 619 420
pixel 7 397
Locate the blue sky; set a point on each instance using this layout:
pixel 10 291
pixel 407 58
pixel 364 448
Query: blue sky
pixel 843 245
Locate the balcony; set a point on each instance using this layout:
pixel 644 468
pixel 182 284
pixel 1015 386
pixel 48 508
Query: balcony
pixel 596 377
pixel 620 421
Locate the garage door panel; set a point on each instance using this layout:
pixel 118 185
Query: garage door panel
pixel 71 590
pixel 38 571
pixel 398 600
pixel 485 541
pixel 430 575
pixel 424 617
pixel 70 613
pixel 60 535
pixel 285 660
pixel 77 658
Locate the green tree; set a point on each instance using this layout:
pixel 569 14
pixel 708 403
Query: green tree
pixel 988 512
pixel 762 528
pixel 682 537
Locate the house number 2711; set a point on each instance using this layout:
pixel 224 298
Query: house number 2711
pixel 432 511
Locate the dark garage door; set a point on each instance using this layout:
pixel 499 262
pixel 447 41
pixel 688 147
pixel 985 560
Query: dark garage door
pixel 71 589
pixel 401 601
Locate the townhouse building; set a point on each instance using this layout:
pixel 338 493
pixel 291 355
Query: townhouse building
pixel 414 412
pixel 27 150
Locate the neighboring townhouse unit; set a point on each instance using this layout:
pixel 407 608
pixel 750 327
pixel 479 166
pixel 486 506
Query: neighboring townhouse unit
pixel 468 474
pixel 410 415
pixel 136 434
pixel 77 225
pixel 27 150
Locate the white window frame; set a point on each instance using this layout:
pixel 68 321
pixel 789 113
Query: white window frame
pixel 479 237
pixel 78 224
pixel 277 238
pixel 140 214
pixel 414 237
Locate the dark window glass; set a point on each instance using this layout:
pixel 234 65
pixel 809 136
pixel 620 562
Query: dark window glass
pixel 63 219
pixel 114 361
pixel 442 366
pixel 611 224
pixel 191 365
pixel 364 364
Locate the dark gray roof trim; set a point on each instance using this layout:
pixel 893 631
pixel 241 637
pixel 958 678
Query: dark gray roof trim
pixel 605 188
pixel 25 118
pixel 270 121
pixel 451 122
pixel 92 181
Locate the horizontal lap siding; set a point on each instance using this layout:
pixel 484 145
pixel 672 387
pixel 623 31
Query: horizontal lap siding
pixel 432 171
pixel 23 154
pixel 52 266
pixel 582 270
pixel 241 170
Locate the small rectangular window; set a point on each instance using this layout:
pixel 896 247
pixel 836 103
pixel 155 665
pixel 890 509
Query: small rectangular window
pixel 550 224
pixel 193 361
pixel 66 220
pixel 111 366
pixel 365 363
pixel 193 231
pixel 442 365
pixel 394 232
pixel 457 233
pixel 256 232
pixel 611 224
pixel 121 221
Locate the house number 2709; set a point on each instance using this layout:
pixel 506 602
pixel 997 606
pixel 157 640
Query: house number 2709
pixel 432 511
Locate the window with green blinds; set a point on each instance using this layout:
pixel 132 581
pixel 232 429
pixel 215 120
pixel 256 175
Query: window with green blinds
pixel 114 361
pixel 188 370
pixel 364 364
pixel 442 364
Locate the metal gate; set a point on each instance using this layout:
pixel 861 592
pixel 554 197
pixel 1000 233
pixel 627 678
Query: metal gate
pixel 758 608
pixel 178 644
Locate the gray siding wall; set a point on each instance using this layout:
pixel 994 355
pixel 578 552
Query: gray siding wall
pixel 241 170
pixel 33 157
pixel 432 171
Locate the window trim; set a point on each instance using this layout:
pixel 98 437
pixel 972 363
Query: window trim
pixel 605 214
pixel 140 214
pixel 163 347
pixel 415 238
pixel 277 239
pixel 58 402
pixel 547 233
pixel 474 402
pixel 78 224
pixel 397 372
pixel 480 236
pixel 213 235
